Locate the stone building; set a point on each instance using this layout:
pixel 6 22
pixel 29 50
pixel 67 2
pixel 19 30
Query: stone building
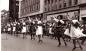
pixel 14 10
pixel 69 9
pixel 31 8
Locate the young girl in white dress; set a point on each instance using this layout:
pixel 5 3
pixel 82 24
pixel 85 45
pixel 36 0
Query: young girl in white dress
pixel 14 28
pixel 24 30
pixel 75 33
pixel 39 31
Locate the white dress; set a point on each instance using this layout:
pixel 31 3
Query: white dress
pixel 39 30
pixel 74 32
pixel 14 28
pixel 50 31
pixel 24 29
pixel 9 29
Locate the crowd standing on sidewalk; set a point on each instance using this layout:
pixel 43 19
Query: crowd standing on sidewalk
pixel 67 30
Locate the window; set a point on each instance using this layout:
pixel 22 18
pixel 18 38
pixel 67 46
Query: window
pixel 51 1
pixel 60 5
pixel 65 3
pixel 55 0
pixel 30 8
pixel 48 1
pixel 75 2
pixel 70 2
pixel 37 6
pixel 33 8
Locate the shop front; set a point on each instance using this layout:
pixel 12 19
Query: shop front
pixel 83 14
pixel 66 15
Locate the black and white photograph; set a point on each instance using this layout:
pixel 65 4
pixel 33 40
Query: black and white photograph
pixel 43 25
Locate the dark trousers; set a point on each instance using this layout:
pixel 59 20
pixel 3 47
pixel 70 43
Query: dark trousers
pixel 40 38
pixel 32 36
pixel 24 35
pixel 83 40
pixel 76 41
pixel 60 35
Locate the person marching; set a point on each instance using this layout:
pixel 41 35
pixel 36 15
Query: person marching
pixel 11 25
pixel 14 28
pixel 59 31
pixel 24 30
pixel 9 28
pixel 32 30
pixel 75 33
pixel 50 31
pixel 17 28
pixel 39 31
pixel 84 31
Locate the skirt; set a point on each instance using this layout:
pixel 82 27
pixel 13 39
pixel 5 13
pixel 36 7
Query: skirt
pixel 74 32
pixel 50 31
pixel 39 30
pixel 67 32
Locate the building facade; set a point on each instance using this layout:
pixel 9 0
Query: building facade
pixel 82 5
pixel 31 8
pixel 13 9
pixel 67 8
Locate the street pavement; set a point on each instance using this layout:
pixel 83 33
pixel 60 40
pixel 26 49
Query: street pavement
pixel 12 43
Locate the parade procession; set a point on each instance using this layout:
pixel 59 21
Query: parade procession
pixel 56 23
pixel 68 31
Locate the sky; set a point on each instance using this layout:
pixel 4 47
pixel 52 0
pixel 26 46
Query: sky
pixel 4 4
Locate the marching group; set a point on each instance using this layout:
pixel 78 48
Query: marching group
pixel 67 30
